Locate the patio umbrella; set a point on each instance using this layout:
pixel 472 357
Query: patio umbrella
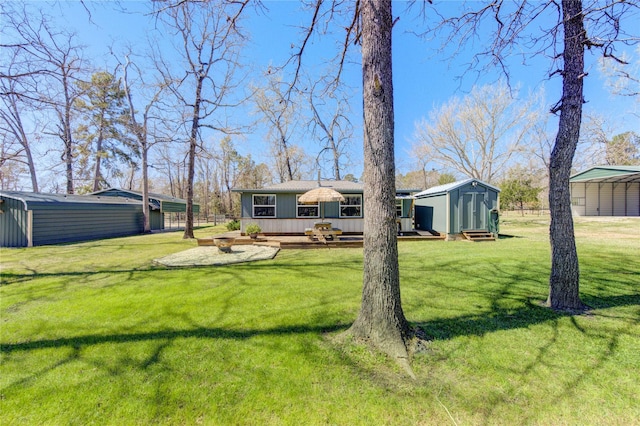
pixel 320 195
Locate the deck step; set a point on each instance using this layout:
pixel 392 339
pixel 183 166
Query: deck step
pixel 478 236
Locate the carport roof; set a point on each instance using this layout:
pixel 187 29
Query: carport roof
pixel 34 199
pixel 608 174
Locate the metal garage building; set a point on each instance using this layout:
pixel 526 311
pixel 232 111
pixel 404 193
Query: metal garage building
pixel 606 191
pixel 31 219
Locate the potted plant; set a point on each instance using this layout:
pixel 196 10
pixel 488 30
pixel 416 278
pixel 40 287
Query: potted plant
pixel 252 229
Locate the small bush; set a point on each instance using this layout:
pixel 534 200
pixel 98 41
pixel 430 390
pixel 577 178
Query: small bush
pixel 234 225
pixel 253 228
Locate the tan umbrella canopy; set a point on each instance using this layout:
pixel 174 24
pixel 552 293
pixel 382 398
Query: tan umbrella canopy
pixel 320 195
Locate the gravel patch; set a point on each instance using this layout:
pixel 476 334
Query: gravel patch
pixel 211 256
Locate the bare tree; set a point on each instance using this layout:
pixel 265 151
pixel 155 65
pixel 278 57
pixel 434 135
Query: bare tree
pixel 142 123
pixel 173 164
pixel 480 134
pixel 330 122
pixel 276 107
pixel 17 99
pixel 208 40
pixel 623 74
pixel 36 78
pixel 620 149
pixel 57 64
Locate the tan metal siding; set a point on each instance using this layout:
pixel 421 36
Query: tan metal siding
pixel 619 199
pixel 633 199
pixel 606 199
pixel 578 198
pixel 592 206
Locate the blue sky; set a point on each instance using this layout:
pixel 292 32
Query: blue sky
pixel 422 78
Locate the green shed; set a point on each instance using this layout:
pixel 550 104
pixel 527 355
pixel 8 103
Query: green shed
pixel 454 208
pixel 31 219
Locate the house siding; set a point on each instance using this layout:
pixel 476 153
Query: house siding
pixel 286 220
pixel 286 206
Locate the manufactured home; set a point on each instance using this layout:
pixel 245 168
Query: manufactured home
pixel 277 210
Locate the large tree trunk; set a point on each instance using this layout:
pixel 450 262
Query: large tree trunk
pixel 565 273
pixel 381 320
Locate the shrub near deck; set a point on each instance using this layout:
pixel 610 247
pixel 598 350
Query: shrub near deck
pixel 95 333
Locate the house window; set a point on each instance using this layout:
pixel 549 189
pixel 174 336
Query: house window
pixel 264 205
pixel 307 210
pixel 351 206
pixel 398 208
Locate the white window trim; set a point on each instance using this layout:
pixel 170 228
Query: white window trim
pixel 351 205
pixel 317 205
pixel 274 205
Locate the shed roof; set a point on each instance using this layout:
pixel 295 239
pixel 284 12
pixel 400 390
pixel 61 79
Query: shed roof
pixel 34 199
pixel 442 189
pixel 608 174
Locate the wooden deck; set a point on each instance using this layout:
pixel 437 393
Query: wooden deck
pixel 303 241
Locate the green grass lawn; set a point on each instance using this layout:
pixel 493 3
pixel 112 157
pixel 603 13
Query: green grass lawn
pixel 95 333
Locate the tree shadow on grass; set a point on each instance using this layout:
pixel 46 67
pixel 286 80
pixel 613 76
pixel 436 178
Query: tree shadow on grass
pixel 507 319
pixel 200 332
pixel 604 346
pixel 441 329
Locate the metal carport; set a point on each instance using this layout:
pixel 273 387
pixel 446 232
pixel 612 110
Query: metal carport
pixel 606 191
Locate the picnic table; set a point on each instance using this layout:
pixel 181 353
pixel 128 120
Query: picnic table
pixel 322 231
